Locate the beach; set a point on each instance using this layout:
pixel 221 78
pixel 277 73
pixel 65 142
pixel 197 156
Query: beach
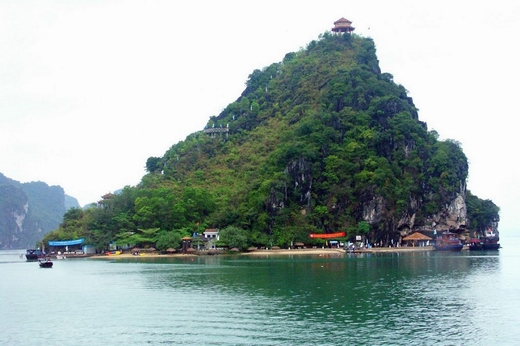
pixel 264 252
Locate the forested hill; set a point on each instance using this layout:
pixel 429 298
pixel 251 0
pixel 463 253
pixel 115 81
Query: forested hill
pixel 319 142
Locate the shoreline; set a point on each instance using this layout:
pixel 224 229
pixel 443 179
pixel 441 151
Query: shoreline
pixel 324 251
pixel 281 252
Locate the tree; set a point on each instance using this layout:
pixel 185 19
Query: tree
pixel 481 213
pixel 153 164
pixel 170 239
pixel 234 237
pixel 141 237
pixel 363 228
pixel 73 214
pixel 73 226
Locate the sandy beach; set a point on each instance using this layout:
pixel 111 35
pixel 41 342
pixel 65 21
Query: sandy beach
pixel 264 252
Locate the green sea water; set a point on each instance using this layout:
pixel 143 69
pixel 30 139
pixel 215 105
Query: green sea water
pixel 421 298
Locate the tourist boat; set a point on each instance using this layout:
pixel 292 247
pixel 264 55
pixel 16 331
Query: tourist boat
pixel 34 254
pixel 447 241
pixel 491 243
pixel 475 244
pixel 45 263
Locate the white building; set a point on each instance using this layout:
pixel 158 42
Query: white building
pixel 211 233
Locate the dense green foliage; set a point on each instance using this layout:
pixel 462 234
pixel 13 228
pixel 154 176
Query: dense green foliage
pixel 482 213
pixel 314 142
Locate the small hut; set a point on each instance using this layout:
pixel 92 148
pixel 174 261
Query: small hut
pixel 186 244
pixel 417 238
pixel 342 25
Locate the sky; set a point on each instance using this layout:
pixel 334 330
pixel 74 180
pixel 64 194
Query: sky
pixel 90 89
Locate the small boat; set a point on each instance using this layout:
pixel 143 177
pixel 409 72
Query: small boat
pixel 352 249
pixel 34 254
pixel 45 263
pixel 448 241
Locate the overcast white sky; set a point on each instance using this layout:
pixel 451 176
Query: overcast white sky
pixel 89 89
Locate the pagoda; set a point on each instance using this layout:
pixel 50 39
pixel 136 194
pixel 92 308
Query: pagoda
pixel 342 25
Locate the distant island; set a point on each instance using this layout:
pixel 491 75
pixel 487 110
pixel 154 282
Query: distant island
pixel 28 211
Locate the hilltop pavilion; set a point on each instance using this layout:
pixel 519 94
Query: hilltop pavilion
pixel 342 25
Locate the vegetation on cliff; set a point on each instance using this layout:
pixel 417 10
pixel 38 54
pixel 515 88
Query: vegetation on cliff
pixel 319 142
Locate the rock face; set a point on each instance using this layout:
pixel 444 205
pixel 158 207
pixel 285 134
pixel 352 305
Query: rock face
pixel 28 211
pixel 374 210
pixel 451 217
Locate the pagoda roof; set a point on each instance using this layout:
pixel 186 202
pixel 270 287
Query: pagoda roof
pixel 417 236
pixel 343 25
pixel 342 20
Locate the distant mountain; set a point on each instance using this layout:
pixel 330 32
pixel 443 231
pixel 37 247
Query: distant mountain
pixel 28 211
pixel 71 202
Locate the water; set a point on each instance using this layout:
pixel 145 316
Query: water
pixel 422 298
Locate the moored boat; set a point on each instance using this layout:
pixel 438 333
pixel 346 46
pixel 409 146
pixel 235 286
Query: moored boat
pixel 45 263
pixel 475 244
pixel 34 254
pixel 490 243
pixel 490 240
pixel 447 241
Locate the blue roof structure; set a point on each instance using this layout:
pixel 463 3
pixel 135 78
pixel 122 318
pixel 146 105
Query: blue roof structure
pixel 67 242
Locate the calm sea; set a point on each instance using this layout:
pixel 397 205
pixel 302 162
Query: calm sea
pixel 427 298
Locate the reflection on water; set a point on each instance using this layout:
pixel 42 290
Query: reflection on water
pixel 393 299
